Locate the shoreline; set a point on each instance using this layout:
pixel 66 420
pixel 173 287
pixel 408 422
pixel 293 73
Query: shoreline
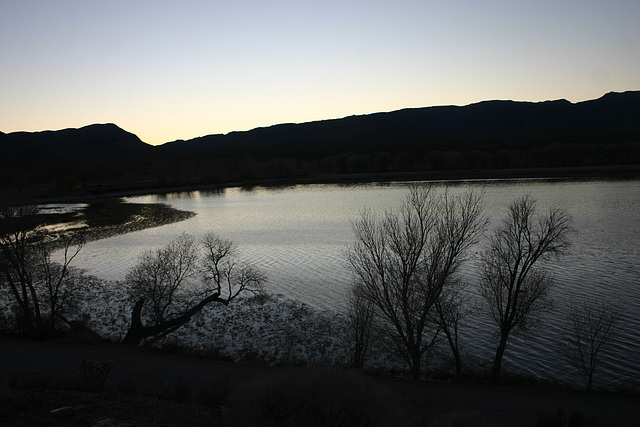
pixel 146 216
pixel 107 217
pixel 625 172
pixel 107 214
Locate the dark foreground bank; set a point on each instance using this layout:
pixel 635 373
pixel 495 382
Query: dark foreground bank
pixel 44 383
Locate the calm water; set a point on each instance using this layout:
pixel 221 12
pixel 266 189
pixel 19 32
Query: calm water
pixel 297 236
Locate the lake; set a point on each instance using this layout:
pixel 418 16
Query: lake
pixel 297 235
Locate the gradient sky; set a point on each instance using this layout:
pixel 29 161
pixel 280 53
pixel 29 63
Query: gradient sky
pixel 168 70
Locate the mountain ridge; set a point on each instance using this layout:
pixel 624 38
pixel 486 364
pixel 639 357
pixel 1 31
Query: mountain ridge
pixel 101 136
pixel 626 96
pixel 483 136
pixel 606 96
pixel 483 122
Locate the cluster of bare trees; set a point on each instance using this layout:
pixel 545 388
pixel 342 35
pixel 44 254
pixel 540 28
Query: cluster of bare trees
pixel 167 286
pixel 405 261
pixel 407 287
pixel 43 292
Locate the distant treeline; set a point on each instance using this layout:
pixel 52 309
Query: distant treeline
pixel 156 171
pixel 219 171
pixel 492 138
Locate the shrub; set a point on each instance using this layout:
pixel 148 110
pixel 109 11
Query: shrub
pixel 461 419
pixel 94 374
pixel 576 419
pixel 316 396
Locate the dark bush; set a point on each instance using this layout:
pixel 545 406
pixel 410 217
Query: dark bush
pixel 576 419
pixel 314 396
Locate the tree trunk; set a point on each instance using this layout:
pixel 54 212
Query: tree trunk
pixel 589 380
pixel 415 364
pixel 497 363
pixel 456 355
pixel 137 332
pixel 26 323
pixel 453 345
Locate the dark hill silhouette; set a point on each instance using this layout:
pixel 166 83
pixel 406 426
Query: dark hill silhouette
pixel 54 162
pixel 488 124
pixel 86 142
pixel 488 135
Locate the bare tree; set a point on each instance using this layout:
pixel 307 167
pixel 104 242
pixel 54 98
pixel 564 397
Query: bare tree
pixel 589 327
pixel 223 275
pixel 451 309
pixel 404 259
pixel 180 279
pixel 514 290
pixel 17 261
pixel 361 322
pixel 160 276
pixel 41 288
pixel 60 285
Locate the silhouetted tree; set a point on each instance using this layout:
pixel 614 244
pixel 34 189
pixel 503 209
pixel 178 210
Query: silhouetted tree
pixel 361 322
pixel 60 285
pixel 42 290
pixel 512 288
pixel 403 260
pixel 180 279
pixel 451 309
pixel 589 327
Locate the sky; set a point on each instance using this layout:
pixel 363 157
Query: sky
pixel 168 70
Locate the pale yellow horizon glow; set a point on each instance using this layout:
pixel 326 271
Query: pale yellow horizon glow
pixel 167 71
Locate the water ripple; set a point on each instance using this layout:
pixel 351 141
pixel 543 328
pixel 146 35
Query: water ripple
pixel 297 236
